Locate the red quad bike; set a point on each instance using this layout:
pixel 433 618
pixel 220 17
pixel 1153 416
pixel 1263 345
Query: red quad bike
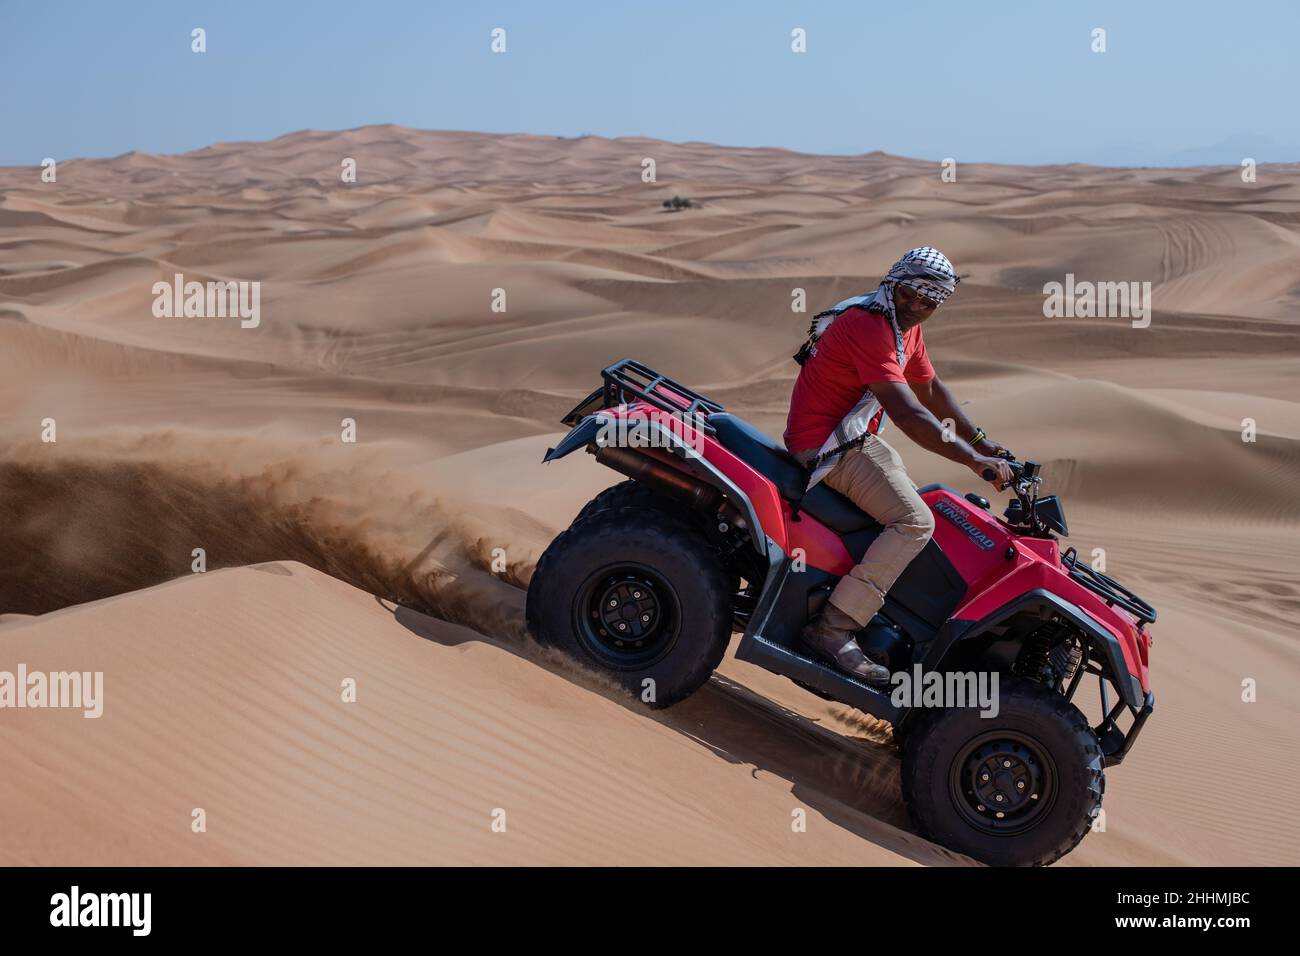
pixel 713 533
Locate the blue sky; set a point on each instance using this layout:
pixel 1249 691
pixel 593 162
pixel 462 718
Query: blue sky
pixel 1003 81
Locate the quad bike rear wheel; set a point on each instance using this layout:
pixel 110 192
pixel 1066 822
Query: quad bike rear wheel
pixel 633 494
pixel 1018 789
pixel 640 598
pixel 637 494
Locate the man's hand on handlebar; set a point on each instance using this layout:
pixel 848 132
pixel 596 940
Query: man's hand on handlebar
pixel 987 446
pixel 996 470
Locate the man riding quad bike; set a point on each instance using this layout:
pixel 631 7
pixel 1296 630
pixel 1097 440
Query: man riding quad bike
pixel 865 358
pixel 720 529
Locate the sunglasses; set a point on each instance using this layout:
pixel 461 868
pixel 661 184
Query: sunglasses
pixel 921 296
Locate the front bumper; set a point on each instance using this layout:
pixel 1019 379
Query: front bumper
pixel 1115 743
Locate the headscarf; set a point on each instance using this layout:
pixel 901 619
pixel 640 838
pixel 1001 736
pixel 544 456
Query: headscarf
pixel 925 270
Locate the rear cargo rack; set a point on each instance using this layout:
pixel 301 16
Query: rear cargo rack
pixel 1110 590
pixel 628 381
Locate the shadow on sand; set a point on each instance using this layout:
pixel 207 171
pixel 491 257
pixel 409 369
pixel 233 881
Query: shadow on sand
pixel 851 781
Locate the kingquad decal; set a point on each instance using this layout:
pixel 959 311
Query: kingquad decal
pixel 982 541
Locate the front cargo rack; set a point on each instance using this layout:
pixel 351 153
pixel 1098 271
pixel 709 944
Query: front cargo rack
pixel 1110 590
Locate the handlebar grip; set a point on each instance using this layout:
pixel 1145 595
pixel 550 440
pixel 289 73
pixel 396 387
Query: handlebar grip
pixel 989 474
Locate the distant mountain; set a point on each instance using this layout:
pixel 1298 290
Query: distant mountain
pixel 1229 151
pixel 1233 149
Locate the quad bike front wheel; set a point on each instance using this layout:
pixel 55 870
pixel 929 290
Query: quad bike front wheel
pixel 1018 789
pixel 637 596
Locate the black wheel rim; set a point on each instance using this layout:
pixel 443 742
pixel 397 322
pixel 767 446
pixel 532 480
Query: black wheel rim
pixel 1003 782
pixel 627 616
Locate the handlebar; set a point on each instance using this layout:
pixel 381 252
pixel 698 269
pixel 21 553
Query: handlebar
pixel 1018 469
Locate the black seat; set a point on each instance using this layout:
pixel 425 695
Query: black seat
pixel 770 459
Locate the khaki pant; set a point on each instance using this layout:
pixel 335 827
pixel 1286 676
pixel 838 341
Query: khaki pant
pixel 875 480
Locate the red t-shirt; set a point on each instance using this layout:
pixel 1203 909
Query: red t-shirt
pixel 856 350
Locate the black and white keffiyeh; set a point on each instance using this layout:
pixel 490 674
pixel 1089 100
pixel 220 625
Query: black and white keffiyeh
pixel 925 270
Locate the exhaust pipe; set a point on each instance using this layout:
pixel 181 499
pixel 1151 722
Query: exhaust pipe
pixel 661 477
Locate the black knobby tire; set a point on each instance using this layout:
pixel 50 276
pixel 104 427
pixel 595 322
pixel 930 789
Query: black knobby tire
pixel 1049 744
pixel 660 569
pixel 633 494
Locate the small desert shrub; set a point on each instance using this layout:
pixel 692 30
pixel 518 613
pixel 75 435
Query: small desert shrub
pixel 679 202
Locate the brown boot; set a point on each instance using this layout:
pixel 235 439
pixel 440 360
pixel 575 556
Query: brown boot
pixel 830 636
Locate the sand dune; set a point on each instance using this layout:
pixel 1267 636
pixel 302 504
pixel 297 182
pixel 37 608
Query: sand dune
pixel 400 560
pixel 230 689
